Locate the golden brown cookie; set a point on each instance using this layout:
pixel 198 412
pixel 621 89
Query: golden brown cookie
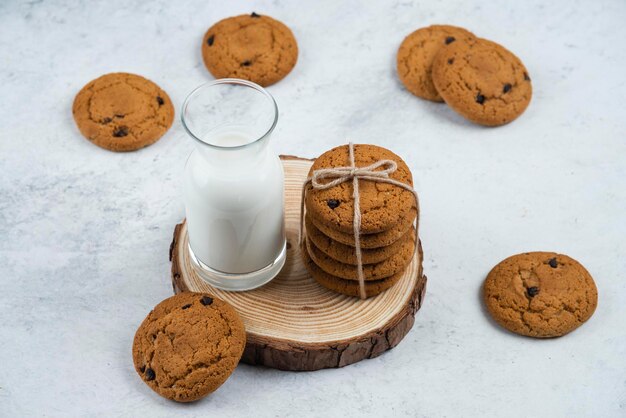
pixel 482 81
pixel 347 287
pixel 378 240
pixel 388 267
pixel 417 52
pixel 188 345
pixel 383 205
pixel 253 47
pixel 540 294
pixel 346 253
pixel 122 112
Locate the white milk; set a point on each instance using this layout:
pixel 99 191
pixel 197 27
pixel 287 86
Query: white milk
pixel 234 202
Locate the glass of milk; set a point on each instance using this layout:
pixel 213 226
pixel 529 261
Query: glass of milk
pixel 233 186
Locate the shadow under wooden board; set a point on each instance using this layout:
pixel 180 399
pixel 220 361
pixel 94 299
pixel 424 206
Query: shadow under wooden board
pixel 293 323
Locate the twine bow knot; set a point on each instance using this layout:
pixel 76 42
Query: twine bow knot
pixel 354 174
pixel 344 174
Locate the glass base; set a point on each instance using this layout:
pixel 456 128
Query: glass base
pixel 239 281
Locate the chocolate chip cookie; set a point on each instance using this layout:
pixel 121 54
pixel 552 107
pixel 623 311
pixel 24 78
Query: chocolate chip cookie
pixel 388 267
pixel 482 81
pixel 382 205
pixel 122 112
pixel 347 254
pixel 378 240
pixel 347 287
pixel 540 294
pixel 417 52
pixel 188 345
pixel 252 47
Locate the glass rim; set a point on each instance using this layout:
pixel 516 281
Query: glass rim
pixel 231 81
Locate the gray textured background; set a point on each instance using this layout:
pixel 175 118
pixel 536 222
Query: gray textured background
pixel 85 232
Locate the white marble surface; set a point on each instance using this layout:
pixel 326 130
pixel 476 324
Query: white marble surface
pixel 85 232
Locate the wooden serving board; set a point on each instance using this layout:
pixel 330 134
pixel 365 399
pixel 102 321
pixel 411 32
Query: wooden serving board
pixel 293 323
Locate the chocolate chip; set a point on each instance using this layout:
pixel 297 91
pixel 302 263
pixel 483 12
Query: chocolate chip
pixel 526 77
pixel 150 375
pixel 553 263
pixel 120 132
pixel 206 300
pixel 254 15
pixel 246 63
pixel 187 306
pixel 532 291
pixel 210 40
pixel 119 115
pixel 142 369
pixel 480 99
pixel 450 39
pixel 106 120
pixel 160 101
pixel 507 88
pixel 332 203
pixel 451 61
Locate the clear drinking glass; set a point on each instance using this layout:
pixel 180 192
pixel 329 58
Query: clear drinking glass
pixel 233 186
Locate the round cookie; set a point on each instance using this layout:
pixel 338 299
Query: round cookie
pixel 122 112
pixel 392 265
pixel 482 81
pixel 188 345
pixel 540 294
pixel 382 205
pixel 347 254
pixel 380 239
pixel 347 287
pixel 417 52
pixel 253 47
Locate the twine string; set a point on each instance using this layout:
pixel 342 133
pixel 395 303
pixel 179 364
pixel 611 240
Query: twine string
pixel 353 173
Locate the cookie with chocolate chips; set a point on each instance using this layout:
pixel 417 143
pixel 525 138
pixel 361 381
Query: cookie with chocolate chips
pixel 482 81
pixel 122 112
pixel 376 271
pixel 347 254
pixel 382 205
pixel 188 345
pixel 540 294
pixel 416 54
pixel 370 241
pixel 351 287
pixel 252 47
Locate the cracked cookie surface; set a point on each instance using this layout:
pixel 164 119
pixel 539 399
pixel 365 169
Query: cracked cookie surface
pixel 188 345
pixel 482 81
pixel 122 112
pixel 252 47
pixel 540 294
pixel 382 205
pixel 347 254
pixel 416 54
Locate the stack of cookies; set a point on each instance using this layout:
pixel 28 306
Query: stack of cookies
pixel 387 233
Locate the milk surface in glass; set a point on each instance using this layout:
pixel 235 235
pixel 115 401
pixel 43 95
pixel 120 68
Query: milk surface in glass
pixel 234 203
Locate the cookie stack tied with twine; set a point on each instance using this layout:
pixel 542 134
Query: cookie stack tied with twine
pixel 359 230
